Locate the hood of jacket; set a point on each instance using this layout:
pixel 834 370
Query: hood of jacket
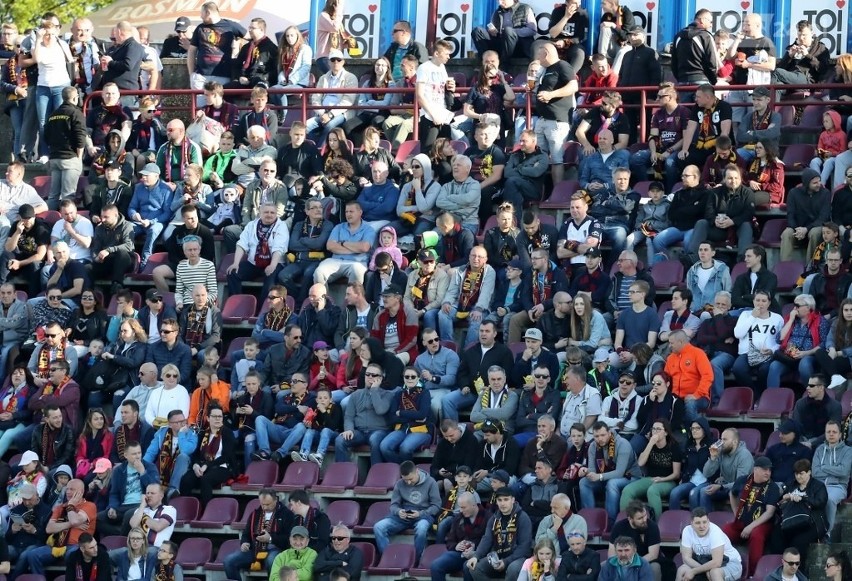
pixel 835 120
pixel 392 233
pixel 426 164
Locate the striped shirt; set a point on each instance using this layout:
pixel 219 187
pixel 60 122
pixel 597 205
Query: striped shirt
pixel 188 276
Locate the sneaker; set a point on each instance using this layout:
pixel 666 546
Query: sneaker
pixel 260 455
pixel 42 160
pixel 836 380
pixel 316 458
pixel 276 457
pixel 142 265
pixel 298 456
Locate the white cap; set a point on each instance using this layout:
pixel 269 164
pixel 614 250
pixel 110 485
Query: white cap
pixel 29 456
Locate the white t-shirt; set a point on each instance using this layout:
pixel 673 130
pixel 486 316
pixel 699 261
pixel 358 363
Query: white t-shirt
pixel 145 76
pixel 83 227
pixel 705 545
pixel 168 513
pixel 434 77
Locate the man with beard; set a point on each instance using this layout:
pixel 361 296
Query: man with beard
pixel 509 535
pixel 488 162
pixel 710 120
pixel 727 215
pixel 605 116
pixel 645 534
pixel 534 235
pixel 524 173
pixel 25 249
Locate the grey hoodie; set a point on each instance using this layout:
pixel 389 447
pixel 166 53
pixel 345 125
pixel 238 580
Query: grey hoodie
pixel 461 199
pixel 625 459
pixel 423 496
pixel 831 464
pixel 730 466
pixel 366 410
pixel 424 201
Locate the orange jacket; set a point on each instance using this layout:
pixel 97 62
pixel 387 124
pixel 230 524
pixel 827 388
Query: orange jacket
pixel 691 372
pixel 219 390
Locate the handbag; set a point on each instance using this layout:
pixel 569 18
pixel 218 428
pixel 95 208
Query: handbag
pixel 795 516
pixel 755 356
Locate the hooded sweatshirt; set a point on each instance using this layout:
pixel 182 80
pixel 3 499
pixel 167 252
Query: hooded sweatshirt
pixel 833 140
pixel 393 249
pixel 720 279
pixel 731 466
pixel 806 208
pixel 65 132
pixel 422 496
pixel 831 464
pixel 422 202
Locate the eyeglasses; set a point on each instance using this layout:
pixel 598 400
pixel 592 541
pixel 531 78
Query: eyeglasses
pixel 339 538
pixel 170 375
pixel 625 381
pixel 216 417
pixel 414 376
pixel 137 539
pixel 794 563
pixel 336 60
pixel 432 341
pixel 368 374
pixel 296 337
pixel 177 422
pixel 657 383
pixel 395 30
pixel 298 381
pixel 541 376
pixel 166 331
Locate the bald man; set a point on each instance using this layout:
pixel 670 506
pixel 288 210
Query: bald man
pixel 319 317
pixel 554 101
pixel 122 61
pixel 173 156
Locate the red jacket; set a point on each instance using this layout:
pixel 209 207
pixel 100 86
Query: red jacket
pixel 407 327
pixel 691 372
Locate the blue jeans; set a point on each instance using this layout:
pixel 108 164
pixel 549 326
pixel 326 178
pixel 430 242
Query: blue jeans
pixel 445 327
pixel 612 488
pixel 16 114
pixel 326 436
pixel 430 319
pixel 267 430
pixel 678 494
pixel 524 437
pixel 392 525
pixel 777 369
pixel 454 401
pixel 40 557
pixel 399 446
pixel 693 406
pixel 743 374
pixel 443 528
pixel 238 561
pixel 343 447
pixel 450 562
pixel 617 238
pixel 48 100
pixel 746 154
pixel 152 232
pixel 636 238
pixel 699 497
pixel 640 163
pixel 720 363
pixel 668 237
pixel 181 467
pixel 8 436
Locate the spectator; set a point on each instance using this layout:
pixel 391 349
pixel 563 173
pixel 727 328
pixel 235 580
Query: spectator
pixel 510 549
pixel 567 29
pixel 745 288
pixel 694 57
pixel 51 53
pixel 201 322
pixel 615 468
pixel 803 335
pixel 597 168
pixel 582 402
pixel 728 214
pixel 128 485
pixel 691 374
pixel 14 193
pixel 788 451
pixel 828 461
pixel 808 208
pixel 555 99
pixel 172 461
pixel 214 461
pixel 364 419
pixel 509 32
pixel 256 61
pixel 580 234
pixel 65 133
pixel 580 561
pixel 620 408
pixel 754 60
pixel 814 409
pixel 636 324
pixel 263 243
pixel 209 54
pixel 170 397
pixel 486 105
pixel 339 555
pixel 807 498
pixel 731 460
pixel 525 172
pixel 350 245
pixel 25 248
pixel 716 336
pixel 695 456
pixel 640 66
pixel 706 279
pixel 697 151
pixel 136 554
pixel 705 549
pixel 790 567
pixel 667 129
pixel 466 532
pixel 129 425
pixel 763 125
pixel 294 63
pixel 626 562
pixel 616 20
pixel 331 109
pixel 805 61
pixel 122 62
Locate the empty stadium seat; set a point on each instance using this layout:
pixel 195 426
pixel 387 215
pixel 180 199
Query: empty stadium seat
pixel 194 552
pixel 667 274
pixel 260 474
pixel 238 308
pixel 242 522
pixel 431 553
pixel 596 521
pixel 751 438
pixel 299 476
pixel 380 480
pixel 376 512
pixel 218 513
pixel 339 477
pixel 369 551
pixel 398 557
pixel 735 402
pixel 343 511
pixel 775 403
pixel 187 508
pixel 672 523
pixel 228 547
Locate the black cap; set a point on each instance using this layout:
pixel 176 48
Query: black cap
pixel 789 426
pixel 504 491
pixel 464 469
pixel 392 290
pixel 763 462
pixel 500 475
pixel 593 252
pixel 152 295
pixel 516 263
pixel 627 374
pixel 425 255
pixel 760 92
pixel 26 211
pixel 634 29
pixel 656 186
pixel 112 164
pixel 182 24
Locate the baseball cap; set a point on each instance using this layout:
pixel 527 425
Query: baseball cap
pixel 335 54
pixel 760 92
pixel 634 29
pixel 26 211
pixel 627 374
pixel 593 253
pixel 29 455
pixel 492 426
pixel 392 290
pixel 656 186
pixel 102 465
pixel 425 255
pixel 533 334
pixel 464 469
pixel 320 345
pixel 150 169
pixel 763 462
pixel 516 263
pixel 182 24
pixel 112 164
pixel 500 475
pixel 601 354
pixel 152 295
pixel 299 531
pixel 789 426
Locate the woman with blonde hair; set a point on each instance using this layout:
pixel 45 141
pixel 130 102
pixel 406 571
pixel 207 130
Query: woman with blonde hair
pixel 543 564
pixel 126 356
pixel 294 63
pixel 135 562
pixel 588 327
pixel 171 396
pixel 331 34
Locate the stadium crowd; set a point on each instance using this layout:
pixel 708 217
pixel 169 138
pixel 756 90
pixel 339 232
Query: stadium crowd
pixel 528 359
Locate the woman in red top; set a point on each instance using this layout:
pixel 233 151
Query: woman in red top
pixel 765 175
pixel 349 368
pixel 323 369
pixel 95 442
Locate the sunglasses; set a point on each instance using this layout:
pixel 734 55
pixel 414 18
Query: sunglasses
pixel 368 374
pixel 336 60
pixel 170 375
pixel 156 300
pixel 796 563
pixel 432 341
pixel 395 30
pixel 416 166
pixel 166 331
pixel 339 538
pixel 87 298
pixel 541 376
pixel 52 335
pixel 410 376
pixel 54 298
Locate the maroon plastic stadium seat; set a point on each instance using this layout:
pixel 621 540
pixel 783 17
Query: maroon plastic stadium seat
pixel 238 308
pixel 774 403
pixel 431 553
pixel 340 477
pixel 241 523
pixel 385 144
pixel 459 146
pixel 398 557
pixel 664 307
pixel 187 508
pixel 31 577
pixel 369 551
pixel 560 197
pixel 595 521
pixel 169 299
pixel 548 219
pixel 451 345
pixel 735 402
pixel 846 403
pixel 41 184
pixel 739 268
pixel 236 344
pixel 218 513
pixel 224 264
pixel 299 476
pixel 155 260
pixel 228 547
pixel 721 517
pixel 641 188
pixel 770 235
pixel 345 512
pixel 112 542
pixel 571 157
pixel 517 348
pixel 376 512
pixel 671 524
pixel 667 274
pixel 380 480
pixel 603 555
pixel 788 272
pixel 407 150
pixel 797 157
pixel 260 474
pixel 194 552
pixel 786 310
pixel 766 565
pixel 774 438
pixel 751 438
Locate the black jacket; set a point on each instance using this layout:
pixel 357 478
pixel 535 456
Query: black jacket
pixel 547 237
pixel 499 297
pixel 319 325
pixel 818 290
pixel 742 296
pixel 348 320
pixel 278 366
pixel 496 241
pixel 414 48
pixel 737 204
pixel 64 445
pixel 473 364
pixel 304 161
pixel 553 329
pixel 808 209
pixel 120 196
pixel 694 56
pixel 115 239
pixel 373 285
pixel 841 207
pixel 227 460
pixel 687 207
pixel 265 408
pixel 559 283
pixel 279 530
pixel 144 315
pixel 816 497
pixel 670 408
pixel 450 456
pixel 127 362
pixel 65 132
pixel 507 458
pixel 328 559
pixel 263 67
pixel 583 567
pixel 104 567
pixel 123 69
pixel 464 242
pixel 640 66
